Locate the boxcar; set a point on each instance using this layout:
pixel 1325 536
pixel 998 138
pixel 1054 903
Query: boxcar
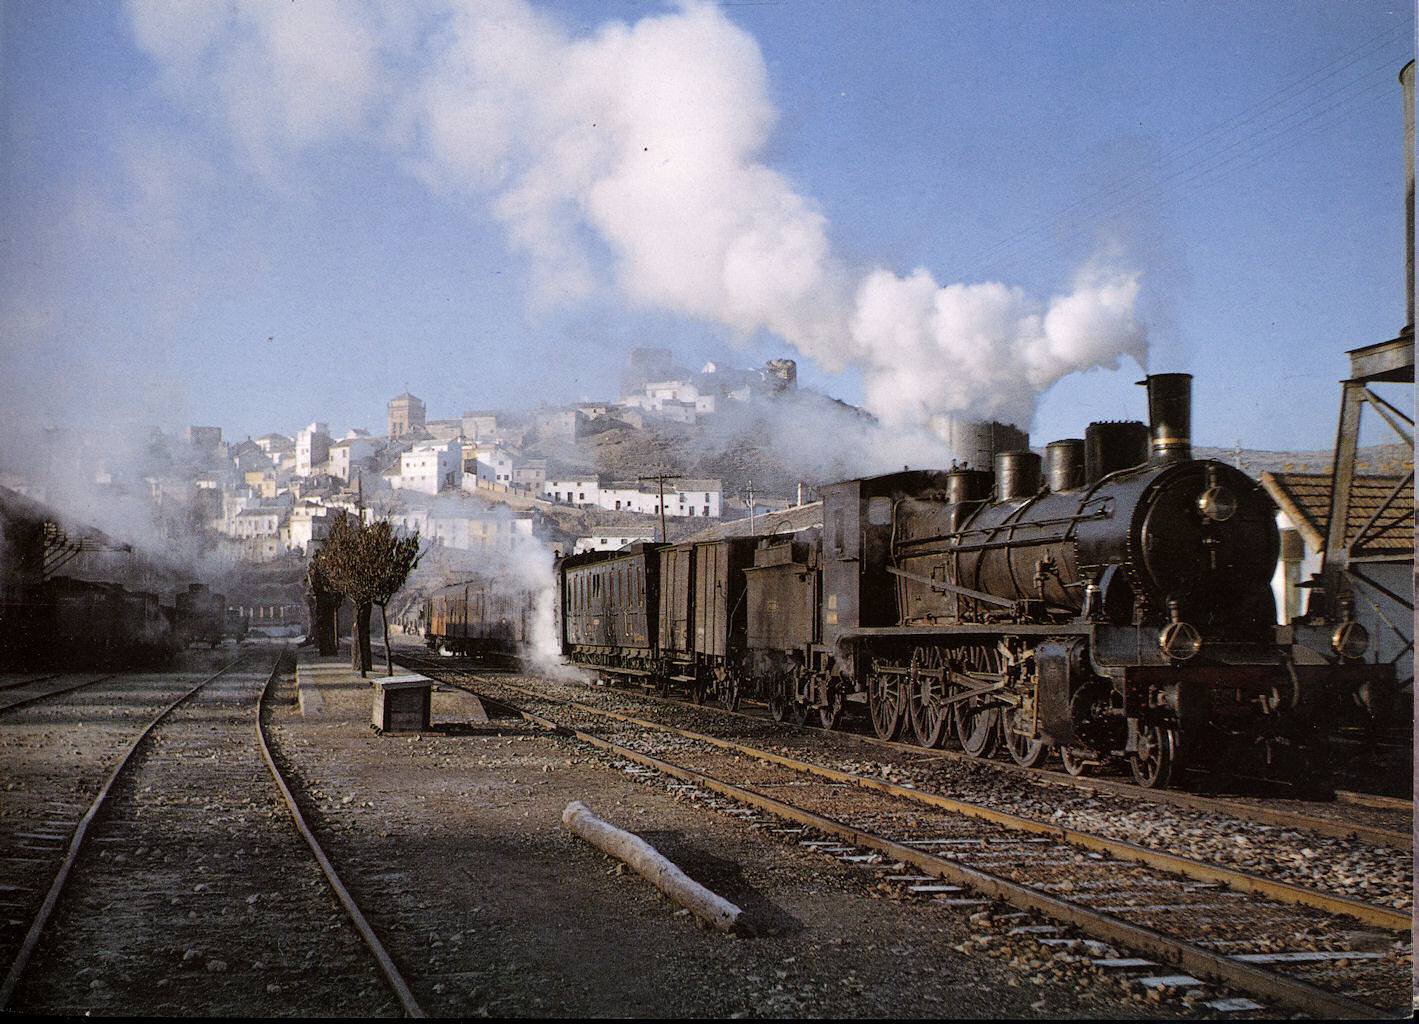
pixel 783 633
pixel 610 610
pixel 702 616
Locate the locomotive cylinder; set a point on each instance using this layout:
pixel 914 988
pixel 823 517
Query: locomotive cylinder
pixel 1169 416
pixel 1064 464
pixel 1017 475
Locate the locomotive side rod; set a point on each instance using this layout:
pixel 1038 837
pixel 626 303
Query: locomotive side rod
pixel 1205 963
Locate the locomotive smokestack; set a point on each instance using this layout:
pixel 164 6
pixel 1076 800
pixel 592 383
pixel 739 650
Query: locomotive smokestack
pixel 1170 415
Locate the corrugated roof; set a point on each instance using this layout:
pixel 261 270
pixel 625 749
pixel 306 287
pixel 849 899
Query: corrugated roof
pixel 1305 498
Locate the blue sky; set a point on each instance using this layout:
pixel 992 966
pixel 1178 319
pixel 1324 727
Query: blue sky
pixel 156 269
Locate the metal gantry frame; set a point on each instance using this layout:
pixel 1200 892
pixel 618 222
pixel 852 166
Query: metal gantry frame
pixel 1345 561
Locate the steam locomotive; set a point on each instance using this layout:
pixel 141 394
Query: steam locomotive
pixel 1110 600
pixel 45 615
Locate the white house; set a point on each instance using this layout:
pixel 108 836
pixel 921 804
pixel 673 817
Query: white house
pixel 430 467
pixel 312 448
pixel 610 541
pixel 575 490
pixel 349 453
pixel 495 465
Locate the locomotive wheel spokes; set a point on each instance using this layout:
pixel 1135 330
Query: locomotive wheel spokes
pixel 1156 757
pixel 930 715
pixel 884 703
pixel 1024 750
pixel 977 719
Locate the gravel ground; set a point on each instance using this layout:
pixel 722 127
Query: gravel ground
pixel 1376 874
pixel 491 907
pixel 193 894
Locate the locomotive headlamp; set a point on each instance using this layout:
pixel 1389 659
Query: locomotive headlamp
pixel 1179 641
pixel 1350 639
pixel 1217 503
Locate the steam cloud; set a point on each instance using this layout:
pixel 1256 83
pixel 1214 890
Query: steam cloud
pixel 641 143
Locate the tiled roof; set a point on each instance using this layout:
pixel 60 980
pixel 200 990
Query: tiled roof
pixel 1305 498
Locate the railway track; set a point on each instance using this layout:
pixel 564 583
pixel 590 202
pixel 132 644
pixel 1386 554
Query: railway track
pixel 182 888
pixel 1384 821
pixel 42 692
pixel 1292 954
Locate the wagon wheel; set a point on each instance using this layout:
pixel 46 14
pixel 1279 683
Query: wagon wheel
pixel 977 719
pixel 830 715
pixel 1077 761
pixel 1024 750
pixel 780 699
pixel 886 700
pixel 1155 760
pixel 726 689
pixel 930 715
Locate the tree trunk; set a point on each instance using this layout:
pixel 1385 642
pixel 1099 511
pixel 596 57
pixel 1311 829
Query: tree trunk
pixel 388 657
pixel 326 626
pixel 647 861
pixel 360 655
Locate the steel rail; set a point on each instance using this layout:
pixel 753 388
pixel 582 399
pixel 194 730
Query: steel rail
pixel 1384 803
pixel 1335 829
pixel 1216 967
pixel 1242 881
pixel 15 705
pixel 386 963
pixel 16 683
pixel 71 856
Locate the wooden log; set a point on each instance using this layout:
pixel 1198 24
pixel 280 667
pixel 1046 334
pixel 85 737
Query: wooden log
pixel 648 862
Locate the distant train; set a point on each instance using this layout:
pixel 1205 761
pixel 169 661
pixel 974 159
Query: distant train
pixel 479 617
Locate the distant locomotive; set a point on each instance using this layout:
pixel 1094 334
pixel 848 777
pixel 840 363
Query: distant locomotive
pixel 1117 604
pixel 49 617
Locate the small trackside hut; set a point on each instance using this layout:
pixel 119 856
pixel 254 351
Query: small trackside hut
pixel 401 704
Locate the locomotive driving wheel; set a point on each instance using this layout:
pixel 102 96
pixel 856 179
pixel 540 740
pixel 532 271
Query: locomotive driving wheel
pixel 1155 760
pixel 926 698
pixel 886 703
pixel 977 719
pixel 1017 724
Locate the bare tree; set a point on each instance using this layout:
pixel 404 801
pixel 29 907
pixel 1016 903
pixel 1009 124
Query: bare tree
pixel 324 606
pixel 368 563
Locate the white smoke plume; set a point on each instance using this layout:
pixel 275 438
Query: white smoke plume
pixel 638 147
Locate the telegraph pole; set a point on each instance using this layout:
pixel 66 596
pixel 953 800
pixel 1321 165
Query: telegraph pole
pixel 660 478
pixel 750 503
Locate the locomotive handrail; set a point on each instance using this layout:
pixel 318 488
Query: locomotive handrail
pixel 953 588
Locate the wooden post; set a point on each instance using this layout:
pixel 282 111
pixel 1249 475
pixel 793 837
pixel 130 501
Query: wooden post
pixel 649 864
